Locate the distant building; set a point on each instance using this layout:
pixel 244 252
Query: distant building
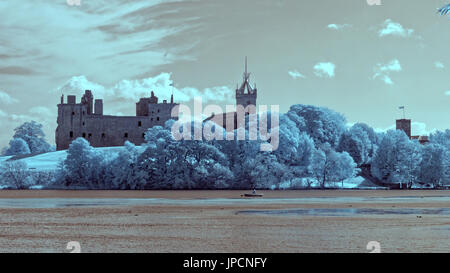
pixel 405 126
pixel 246 95
pixel 86 119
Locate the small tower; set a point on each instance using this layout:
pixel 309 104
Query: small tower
pixel 404 124
pixel 88 99
pixel 246 94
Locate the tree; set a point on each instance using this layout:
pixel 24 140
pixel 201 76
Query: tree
pixel 157 164
pixel 441 138
pixel 397 159
pixel 17 146
pixel 267 172
pixel 241 155
pixel 357 143
pixel 296 148
pixel 434 165
pixel 330 166
pixel 16 174
pixel 123 173
pixel 33 135
pixel 83 165
pixel 321 124
pixel 183 164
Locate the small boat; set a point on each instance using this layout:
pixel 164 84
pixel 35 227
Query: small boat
pixel 254 194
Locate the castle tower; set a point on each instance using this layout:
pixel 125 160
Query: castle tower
pixel 246 94
pixel 404 125
pixel 88 99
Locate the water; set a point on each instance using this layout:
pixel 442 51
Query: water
pixel 350 211
pixel 344 201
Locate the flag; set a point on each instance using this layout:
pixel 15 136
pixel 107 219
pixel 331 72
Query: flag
pixel 401 107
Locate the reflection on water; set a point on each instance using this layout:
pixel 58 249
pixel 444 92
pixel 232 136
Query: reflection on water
pixel 349 211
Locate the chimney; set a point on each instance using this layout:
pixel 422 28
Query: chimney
pixel 71 99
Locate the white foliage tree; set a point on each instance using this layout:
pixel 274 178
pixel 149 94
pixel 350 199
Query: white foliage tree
pixel 123 172
pixel 397 159
pixel 321 124
pixel 435 165
pixel 83 165
pixel 15 174
pixel 330 166
pixel 17 146
pixel 357 143
pixel 33 135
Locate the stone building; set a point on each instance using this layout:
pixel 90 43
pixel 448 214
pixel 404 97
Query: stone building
pixel 245 96
pixel 405 126
pixel 86 119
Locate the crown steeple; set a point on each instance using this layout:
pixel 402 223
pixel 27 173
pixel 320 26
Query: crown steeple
pixel 246 94
pixel 246 87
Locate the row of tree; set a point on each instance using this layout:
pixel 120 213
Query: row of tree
pixel 316 148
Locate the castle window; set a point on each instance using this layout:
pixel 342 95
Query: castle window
pixel 139 123
pixel 103 135
pixel 83 123
pixel 158 110
pixel 151 119
pixel 71 134
pixel 90 135
pixel 73 113
pixel 157 118
pixel 84 135
pixel 126 135
pixel 143 135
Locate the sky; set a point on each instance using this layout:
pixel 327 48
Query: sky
pixel 361 60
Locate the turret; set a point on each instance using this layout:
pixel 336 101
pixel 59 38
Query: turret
pixel 98 107
pixel 88 99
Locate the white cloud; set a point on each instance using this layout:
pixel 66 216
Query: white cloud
pixel 383 71
pixel 395 29
pixel 3 114
pixel 417 129
pixel 41 111
pixel 325 69
pixel 107 34
pixel 295 74
pixel 447 93
pixel 439 65
pixel 126 92
pixel 6 98
pixel 420 128
pixel 338 26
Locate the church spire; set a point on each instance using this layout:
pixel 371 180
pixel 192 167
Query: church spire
pixel 246 82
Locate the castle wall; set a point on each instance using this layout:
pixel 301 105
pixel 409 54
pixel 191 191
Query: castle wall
pixel 103 130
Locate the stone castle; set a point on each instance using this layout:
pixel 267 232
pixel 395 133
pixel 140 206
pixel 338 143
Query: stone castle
pixel 405 125
pixel 85 119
